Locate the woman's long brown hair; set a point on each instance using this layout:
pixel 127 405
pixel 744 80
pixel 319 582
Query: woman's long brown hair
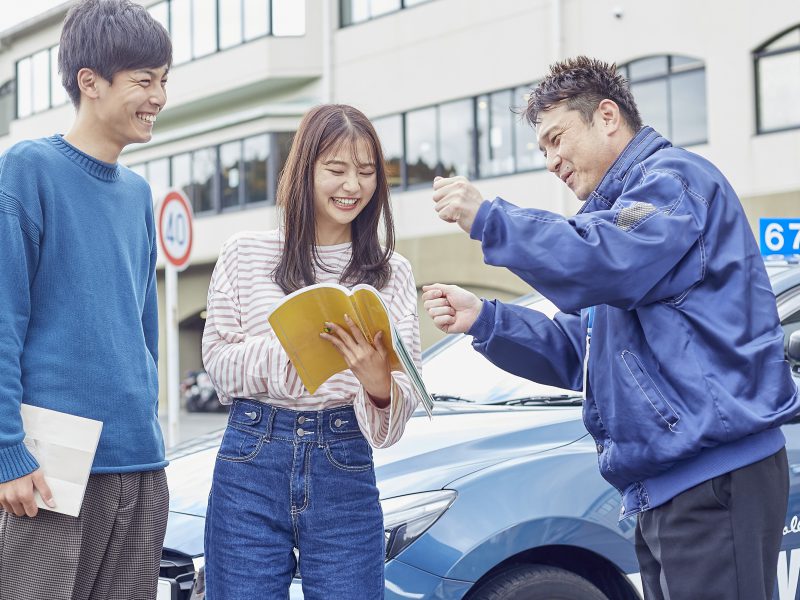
pixel 321 131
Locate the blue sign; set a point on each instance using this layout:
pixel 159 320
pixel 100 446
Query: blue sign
pixel 779 237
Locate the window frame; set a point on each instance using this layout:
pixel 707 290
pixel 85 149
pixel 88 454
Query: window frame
pixel 757 55
pixel 474 145
pixel 404 5
pixel 243 39
pixel 672 70
pixel 51 69
pixel 271 165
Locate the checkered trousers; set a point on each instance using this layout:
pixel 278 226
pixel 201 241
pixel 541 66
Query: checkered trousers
pixel 111 551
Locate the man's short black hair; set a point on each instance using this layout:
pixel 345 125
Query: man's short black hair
pixel 109 36
pixel 583 82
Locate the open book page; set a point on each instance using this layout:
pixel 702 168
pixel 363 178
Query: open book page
pixel 375 314
pixel 297 321
pixel 300 317
pixel 413 373
pixel 64 445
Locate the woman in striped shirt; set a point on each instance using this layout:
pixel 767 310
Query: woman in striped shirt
pixel 294 470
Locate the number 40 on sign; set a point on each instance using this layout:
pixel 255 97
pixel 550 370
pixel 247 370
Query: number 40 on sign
pixel 175 229
pixel 780 237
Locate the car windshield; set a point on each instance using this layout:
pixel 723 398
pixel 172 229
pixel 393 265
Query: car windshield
pixel 454 371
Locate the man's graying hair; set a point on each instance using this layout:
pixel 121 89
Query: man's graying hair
pixel 109 36
pixel 583 82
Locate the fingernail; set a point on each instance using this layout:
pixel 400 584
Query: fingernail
pixel 346 317
pixel 50 502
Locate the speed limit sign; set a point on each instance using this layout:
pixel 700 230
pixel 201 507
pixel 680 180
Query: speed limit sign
pixel 175 229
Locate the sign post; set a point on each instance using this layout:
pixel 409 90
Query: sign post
pixel 175 233
pixel 779 237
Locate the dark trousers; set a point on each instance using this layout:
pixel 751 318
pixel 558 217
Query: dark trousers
pixel 111 551
pixel 718 540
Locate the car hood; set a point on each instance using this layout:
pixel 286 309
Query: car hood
pixel 460 439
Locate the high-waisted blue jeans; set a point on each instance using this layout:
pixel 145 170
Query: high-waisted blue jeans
pixel 283 480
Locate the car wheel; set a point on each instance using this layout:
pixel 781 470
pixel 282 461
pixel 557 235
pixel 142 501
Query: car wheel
pixel 537 582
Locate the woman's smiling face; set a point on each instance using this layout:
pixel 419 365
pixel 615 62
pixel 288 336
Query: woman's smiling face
pixel 344 182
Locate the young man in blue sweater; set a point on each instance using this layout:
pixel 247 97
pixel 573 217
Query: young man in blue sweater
pixel 685 379
pixel 78 313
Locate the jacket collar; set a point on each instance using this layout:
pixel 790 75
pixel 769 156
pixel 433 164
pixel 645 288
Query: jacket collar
pixel 643 145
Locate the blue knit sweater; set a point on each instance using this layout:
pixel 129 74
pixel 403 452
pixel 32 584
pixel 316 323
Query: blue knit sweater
pixel 78 308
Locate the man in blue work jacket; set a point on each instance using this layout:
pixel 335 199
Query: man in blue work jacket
pixel 668 323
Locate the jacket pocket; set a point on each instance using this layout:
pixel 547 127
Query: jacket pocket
pixel 650 391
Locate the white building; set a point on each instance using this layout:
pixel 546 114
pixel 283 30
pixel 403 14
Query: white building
pixel 438 78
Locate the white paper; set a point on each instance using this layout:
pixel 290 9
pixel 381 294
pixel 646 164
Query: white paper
pixel 64 445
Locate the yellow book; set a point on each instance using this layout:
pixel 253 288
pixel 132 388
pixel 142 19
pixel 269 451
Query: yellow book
pixel 300 317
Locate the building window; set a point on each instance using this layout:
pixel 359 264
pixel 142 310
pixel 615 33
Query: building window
pixel 440 140
pixel 181 175
pixel 670 92
pixel 160 13
pixel 38 83
pixel 421 155
pixel 256 165
pixel 777 69
pixel 217 178
pixel 527 154
pixel 482 136
pixel 457 139
pixel 202 27
pixel 40 70
pixel 256 18
pixel 358 11
pixel 24 88
pixel 495 138
pixel 58 95
pixel 204 169
pixel 197 28
pixel 390 133
pixel 279 154
pixel 158 177
pixel 7 95
pixel 180 30
pixel 230 24
pixel 230 174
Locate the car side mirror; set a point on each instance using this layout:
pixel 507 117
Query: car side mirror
pixel 793 349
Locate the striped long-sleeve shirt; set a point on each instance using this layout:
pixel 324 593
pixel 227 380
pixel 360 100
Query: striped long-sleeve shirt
pixel 244 358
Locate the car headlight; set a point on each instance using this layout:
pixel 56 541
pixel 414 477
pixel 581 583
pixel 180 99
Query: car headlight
pixel 405 518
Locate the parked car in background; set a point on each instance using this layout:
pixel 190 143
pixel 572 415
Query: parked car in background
pixel 497 498
pixel 198 393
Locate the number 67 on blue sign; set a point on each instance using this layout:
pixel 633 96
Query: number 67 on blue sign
pixel 779 236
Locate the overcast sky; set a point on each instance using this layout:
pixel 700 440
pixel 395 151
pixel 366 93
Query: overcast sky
pixel 16 11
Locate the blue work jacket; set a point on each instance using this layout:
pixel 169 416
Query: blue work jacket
pixel 686 373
